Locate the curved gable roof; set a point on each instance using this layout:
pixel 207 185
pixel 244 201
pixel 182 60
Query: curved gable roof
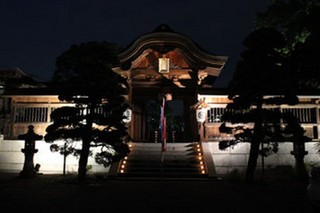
pixel 163 40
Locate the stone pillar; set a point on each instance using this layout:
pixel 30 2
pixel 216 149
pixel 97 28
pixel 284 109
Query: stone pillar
pixel 29 150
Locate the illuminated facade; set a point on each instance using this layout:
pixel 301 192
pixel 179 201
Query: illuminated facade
pixel 155 64
pixel 162 62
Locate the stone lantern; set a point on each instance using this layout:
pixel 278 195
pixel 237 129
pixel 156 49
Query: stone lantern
pixel 29 150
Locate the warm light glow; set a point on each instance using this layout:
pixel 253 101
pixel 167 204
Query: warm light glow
pixel 200 158
pixel 122 166
pixel 168 96
pixel 124 162
pixel 164 65
pixel 121 171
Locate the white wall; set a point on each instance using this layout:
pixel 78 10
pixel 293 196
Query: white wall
pixel 12 159
pixel 223 161
pixel 236 158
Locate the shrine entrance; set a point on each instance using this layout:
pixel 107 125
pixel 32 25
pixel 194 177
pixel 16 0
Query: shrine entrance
pixel 161 62
pixel 181 121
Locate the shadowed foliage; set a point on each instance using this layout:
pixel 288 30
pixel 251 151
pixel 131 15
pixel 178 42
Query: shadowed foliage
pixel 261 79
pixel 298 21
pixel 281 59
pixel 85 80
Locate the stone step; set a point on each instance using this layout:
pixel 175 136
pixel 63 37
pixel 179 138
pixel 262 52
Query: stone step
pixel 162 175
pixel 157 158
pixel 180 159
pixel 164 167
pixel 157 146
pixel 164 164
pixel 168 152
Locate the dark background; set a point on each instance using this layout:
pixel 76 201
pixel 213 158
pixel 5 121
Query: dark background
pixel 34 32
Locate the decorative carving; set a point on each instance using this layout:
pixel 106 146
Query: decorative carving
pixel 201 76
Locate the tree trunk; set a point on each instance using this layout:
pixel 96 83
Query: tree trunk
pixel 252 162
pixel 84 154
pixel 255 144
pixel 82 170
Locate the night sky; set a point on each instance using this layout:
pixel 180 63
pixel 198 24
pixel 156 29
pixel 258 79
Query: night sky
pixel 35 32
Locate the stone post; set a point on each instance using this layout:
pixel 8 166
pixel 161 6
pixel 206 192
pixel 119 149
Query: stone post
pixel 299 153
pixel 30 137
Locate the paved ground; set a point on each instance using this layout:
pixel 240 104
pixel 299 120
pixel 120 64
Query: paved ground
pixel 55 193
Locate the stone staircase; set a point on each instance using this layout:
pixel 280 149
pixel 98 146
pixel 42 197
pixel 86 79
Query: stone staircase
pixel 181 160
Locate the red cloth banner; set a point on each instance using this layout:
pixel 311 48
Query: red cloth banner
pixel 164 135
pixel 163 127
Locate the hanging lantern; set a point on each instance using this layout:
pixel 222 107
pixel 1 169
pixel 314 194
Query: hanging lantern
pixel 201 115
pixel 163 65
pixel 127 116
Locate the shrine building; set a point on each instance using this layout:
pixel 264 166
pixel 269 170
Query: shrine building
pixel 165 62
pixel 161 64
